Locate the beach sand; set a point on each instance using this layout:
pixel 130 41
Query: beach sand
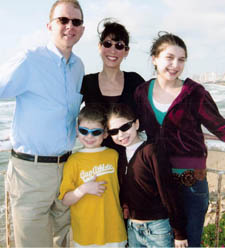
pixel 215 160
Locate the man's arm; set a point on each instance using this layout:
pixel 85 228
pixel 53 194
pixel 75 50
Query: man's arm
pixel 14 76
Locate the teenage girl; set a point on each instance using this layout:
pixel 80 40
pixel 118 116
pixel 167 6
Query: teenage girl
pixel 172 112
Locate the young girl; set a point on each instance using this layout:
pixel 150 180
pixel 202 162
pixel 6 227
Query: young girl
pixel 90 186
pixel 147 194
pixel 172 112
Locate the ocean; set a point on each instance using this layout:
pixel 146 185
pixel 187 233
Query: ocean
pixel 6 112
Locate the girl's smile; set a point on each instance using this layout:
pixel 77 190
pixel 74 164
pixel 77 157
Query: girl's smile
pixel 124 138
pixel 170 62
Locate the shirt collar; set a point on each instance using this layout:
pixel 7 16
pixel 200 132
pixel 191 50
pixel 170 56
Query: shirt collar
pixel 72 59
pixel 134 146
pixel 57 55
pixel 92 150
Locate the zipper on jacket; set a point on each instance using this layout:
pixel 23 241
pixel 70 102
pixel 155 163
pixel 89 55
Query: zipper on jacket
pixel 126 170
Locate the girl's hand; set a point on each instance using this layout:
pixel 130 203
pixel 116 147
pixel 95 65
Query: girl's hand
pixel 92 187
pixel 180 243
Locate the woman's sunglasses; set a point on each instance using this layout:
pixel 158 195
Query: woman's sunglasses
pixel 64 20
pixel 118 45
pixel 94 132
pixel 123 128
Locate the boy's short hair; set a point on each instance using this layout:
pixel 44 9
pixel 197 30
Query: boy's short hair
pixel 93 112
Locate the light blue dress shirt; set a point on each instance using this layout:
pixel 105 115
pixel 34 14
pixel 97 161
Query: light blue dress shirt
pixel 47 91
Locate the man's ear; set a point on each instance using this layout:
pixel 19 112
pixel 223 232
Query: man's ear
pixel 49 26
pixel 82 32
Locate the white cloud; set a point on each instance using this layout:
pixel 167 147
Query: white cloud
pixel 38 37
pixel 199 22
pixel 197 17
pixel 135 16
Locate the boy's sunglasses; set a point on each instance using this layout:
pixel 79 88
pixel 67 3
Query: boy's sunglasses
pixel 64 20
pixel 118 45
pixel 94 132
pixel 123 128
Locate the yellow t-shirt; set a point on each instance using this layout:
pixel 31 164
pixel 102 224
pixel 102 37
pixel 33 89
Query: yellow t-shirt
pixel 95 220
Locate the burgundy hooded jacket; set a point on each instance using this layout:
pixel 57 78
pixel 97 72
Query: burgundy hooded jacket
pixel 181 134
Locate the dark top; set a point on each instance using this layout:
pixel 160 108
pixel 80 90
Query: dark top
pixel 147 189
pixel 92 94
pixel 181 132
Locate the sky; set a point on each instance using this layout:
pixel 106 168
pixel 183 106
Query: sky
pixel 200 23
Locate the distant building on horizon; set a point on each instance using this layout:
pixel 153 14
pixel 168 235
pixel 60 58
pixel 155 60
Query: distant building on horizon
pixel 209 77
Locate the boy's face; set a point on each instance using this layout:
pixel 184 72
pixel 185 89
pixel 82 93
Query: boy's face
pixel 89 140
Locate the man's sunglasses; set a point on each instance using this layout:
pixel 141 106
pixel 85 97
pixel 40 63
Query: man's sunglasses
pixel 64 20
pixel 118 45
pixel 123 128
pixel 94 132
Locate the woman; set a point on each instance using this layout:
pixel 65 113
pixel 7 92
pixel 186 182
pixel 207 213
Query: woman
pixel 111 85
pixel 172 112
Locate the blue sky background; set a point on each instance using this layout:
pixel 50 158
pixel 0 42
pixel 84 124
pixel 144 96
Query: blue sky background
pixel 201 23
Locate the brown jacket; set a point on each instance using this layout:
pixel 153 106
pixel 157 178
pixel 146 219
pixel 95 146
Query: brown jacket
pixel 147 189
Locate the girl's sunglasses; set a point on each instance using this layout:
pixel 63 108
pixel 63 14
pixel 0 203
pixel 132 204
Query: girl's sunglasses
pixel 94 132
pixel 118 45
pixel 64 20
pixel 123 128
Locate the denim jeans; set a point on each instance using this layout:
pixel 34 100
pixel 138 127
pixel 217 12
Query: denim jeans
pixel 155 233
pixel 196 200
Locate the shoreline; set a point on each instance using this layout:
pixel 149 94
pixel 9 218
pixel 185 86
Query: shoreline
pixel 218 83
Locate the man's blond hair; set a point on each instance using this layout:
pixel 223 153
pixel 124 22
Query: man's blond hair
pixel 74 2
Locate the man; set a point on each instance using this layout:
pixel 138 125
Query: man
pixel 46 82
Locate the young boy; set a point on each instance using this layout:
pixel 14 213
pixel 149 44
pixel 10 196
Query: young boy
pixel 90 186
